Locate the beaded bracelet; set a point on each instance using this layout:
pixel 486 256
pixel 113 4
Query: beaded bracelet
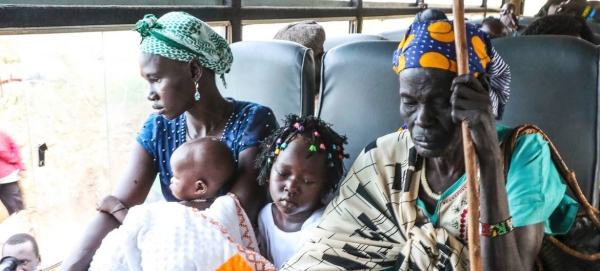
pixel 498 229
pixel 586 11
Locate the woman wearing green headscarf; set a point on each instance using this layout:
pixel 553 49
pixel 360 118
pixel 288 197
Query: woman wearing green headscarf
pixel 180 58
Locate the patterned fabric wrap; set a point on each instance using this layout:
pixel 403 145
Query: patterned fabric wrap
pixel 431 45
pixel 373 223
pixel 182 37
pixel 379 222
pixel 170 236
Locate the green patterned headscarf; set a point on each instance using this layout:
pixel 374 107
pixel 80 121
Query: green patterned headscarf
pixel 182 37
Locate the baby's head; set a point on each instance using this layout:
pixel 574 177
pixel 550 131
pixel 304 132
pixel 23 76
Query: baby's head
pixel 302 162
pixel 200 168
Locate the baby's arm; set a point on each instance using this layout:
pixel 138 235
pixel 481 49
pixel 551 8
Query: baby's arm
pixel 111 205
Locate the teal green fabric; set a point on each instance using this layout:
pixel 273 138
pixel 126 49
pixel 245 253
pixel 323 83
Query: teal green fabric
pixel 535 190
pixel 183 37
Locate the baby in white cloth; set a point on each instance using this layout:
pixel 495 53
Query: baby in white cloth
pixel 177 235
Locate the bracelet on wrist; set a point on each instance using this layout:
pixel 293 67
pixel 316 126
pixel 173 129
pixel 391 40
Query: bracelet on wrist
pixel 498 229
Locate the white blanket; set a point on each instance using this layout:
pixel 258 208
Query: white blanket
pixel 170 236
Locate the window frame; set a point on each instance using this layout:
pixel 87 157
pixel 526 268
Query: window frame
pixel 27 19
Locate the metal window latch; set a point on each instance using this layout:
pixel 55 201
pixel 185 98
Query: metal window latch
pixel 42 148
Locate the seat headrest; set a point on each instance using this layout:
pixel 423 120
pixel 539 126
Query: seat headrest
pixel 349 38
pixel 277 74
pixel 359 93
pixel 395 35
pixel 555 86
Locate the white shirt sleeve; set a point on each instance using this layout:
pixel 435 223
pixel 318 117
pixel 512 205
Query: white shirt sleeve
pixel 265 222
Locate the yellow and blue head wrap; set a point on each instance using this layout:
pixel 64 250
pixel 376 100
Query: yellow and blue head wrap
pixel 430 44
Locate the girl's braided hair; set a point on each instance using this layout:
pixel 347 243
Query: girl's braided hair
pixel 318 132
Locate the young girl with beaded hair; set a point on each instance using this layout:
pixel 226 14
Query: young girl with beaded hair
pixel 302 163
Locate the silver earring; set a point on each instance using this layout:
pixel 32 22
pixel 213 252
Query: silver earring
pixel 197 95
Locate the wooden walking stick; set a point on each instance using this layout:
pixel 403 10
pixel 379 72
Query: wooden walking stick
pixel 460 37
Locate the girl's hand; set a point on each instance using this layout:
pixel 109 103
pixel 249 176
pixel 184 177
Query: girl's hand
pixel 107 204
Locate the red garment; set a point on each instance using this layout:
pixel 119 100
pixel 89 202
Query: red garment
pixel 10 159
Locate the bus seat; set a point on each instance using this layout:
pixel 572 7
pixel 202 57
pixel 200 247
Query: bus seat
pixel 277 74
pixel 595 27
pixel 555 86
pixel 337 41
pixel 526 20
pixel 396 35
pixel 359 93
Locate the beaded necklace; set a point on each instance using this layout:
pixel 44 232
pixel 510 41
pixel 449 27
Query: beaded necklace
pixel 425 185
pixel 200 200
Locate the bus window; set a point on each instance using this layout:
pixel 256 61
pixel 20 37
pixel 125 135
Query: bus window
pixel 114 2
pixel 268 31
pixel 471 3
pixel 532 7
pixel 298 3
pixel 63 85
pixel 495 3
pixel 261 31
pixel 335 28
pixel 220 30
pixel 383 2
pixel 477 16
pixel 376 26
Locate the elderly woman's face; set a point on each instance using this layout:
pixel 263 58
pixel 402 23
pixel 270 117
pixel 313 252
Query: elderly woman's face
pixel 426 109
pixel 171 85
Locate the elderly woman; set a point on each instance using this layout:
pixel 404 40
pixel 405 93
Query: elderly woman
pixel 180 56
pixel 403 205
